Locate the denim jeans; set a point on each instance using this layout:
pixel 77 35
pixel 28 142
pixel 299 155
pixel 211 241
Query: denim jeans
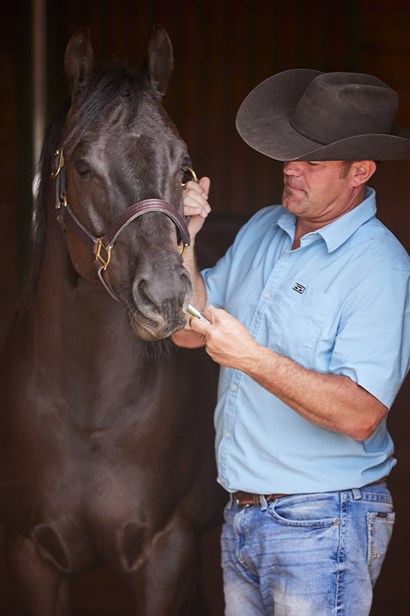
pixel 307 554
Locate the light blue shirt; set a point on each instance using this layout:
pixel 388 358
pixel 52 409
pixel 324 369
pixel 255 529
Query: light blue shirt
pixel 338 304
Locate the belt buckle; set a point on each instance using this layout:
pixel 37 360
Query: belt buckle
pixel 247 502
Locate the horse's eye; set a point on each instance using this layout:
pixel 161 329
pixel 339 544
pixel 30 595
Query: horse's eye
pixel 188 174
pixel 82 168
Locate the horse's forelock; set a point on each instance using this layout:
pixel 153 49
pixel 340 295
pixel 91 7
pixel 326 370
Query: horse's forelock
pixel 106 86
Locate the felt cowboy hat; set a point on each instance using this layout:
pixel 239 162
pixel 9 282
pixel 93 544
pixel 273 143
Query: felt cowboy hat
pixel 303 114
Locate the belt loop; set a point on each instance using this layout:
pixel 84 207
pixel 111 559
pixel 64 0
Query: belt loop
pixel 263 502
pixel 357 495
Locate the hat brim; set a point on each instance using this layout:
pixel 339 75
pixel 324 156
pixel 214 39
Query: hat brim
pixel 264 123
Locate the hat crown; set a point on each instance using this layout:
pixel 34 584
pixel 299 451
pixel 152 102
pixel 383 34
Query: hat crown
pixel 336 106
pixel 305 114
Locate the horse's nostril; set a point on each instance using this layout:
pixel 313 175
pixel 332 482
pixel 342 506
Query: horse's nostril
pixel 141 292
pixel 161 296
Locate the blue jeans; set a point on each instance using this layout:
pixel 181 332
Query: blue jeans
pixel 306 555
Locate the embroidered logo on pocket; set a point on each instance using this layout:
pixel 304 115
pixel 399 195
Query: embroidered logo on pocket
pixel 299 288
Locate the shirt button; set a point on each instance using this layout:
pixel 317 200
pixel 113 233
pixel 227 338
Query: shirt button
pixel 234 387
pixel 227 434
pixel 266 295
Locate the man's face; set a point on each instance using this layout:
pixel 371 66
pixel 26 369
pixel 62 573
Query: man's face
pixel 318 192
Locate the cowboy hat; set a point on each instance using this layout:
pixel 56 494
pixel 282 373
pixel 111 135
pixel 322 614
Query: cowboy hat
pixel 303 114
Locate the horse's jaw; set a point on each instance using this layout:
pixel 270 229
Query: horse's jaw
pixel 156 326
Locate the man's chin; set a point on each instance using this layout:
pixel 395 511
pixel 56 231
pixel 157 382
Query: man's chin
pixel 292 205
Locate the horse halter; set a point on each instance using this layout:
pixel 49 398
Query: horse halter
pixel 102 246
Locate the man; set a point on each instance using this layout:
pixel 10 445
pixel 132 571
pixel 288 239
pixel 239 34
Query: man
pixel 309 318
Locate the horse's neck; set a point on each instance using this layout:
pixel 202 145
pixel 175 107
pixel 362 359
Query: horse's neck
pixel 77 319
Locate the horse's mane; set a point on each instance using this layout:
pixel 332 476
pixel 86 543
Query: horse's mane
pixel 34 257
pixel 106 84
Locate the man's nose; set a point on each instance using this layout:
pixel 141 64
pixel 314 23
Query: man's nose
pixel 292 167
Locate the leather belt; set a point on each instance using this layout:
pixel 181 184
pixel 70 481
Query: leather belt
pixel 247 498
pixel 243 499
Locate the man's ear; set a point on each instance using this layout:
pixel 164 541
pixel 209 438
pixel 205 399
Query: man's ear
pixel 362 171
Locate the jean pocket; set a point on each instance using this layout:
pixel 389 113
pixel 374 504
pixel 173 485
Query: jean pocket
pixel 379 532
pixel 304 513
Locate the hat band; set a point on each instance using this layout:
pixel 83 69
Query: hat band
pixel 306 135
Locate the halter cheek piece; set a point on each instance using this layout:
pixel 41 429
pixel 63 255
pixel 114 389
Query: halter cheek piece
pixel 102 246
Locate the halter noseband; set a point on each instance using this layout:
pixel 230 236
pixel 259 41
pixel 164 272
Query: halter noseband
pixel 102 246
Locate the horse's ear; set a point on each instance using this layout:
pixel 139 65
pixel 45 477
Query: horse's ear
pixel 159 62
pixel 78 60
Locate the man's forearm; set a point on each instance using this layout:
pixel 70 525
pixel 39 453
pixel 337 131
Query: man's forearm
pixel 332 401
pixel 186 337
pixel 197 208
pixel 198 298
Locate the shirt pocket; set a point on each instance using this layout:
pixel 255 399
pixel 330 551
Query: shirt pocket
pixel 302 322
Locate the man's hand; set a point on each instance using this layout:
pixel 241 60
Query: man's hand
pixel 227 341
pixel 196 204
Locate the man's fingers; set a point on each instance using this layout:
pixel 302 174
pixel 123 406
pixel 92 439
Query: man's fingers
pixel 205 184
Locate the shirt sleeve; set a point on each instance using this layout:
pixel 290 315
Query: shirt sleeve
pixel 373 342
pixel 217 278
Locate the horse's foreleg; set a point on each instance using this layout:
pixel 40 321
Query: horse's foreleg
pixel 168 584
pixel 40 589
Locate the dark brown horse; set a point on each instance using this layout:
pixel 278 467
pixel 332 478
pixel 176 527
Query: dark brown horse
pixel 106 437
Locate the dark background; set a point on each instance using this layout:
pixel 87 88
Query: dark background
pixel 222 49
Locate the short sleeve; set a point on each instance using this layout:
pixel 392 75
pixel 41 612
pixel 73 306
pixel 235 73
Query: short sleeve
pixel 217 277
pixel 373 340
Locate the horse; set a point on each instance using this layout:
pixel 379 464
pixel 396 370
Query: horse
pixel 106 435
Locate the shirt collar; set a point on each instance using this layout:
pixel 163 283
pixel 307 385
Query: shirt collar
pixel 337 232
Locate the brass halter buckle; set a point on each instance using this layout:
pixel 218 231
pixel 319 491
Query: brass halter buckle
pixel 194 177
pixel 193 174
pixel 60 162
pixel 105 260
